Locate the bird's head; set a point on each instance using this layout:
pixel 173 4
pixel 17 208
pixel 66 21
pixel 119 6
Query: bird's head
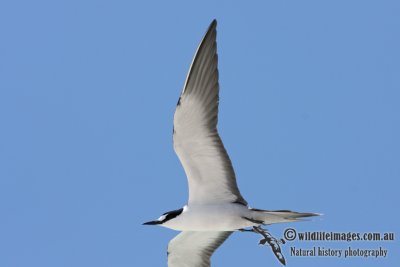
pixel 165 217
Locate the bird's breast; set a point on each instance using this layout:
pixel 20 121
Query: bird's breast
pixel 212 217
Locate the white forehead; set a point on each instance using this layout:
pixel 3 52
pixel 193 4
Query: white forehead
pixel 162 218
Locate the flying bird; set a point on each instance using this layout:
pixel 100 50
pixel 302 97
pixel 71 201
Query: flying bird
pixel 215 207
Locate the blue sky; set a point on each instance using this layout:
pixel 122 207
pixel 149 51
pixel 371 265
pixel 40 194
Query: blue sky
pixel 309 113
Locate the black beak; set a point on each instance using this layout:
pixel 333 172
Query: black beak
pixel 152 223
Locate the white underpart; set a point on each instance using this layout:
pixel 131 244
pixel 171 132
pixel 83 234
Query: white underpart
pixel 212 217
pixel 215 205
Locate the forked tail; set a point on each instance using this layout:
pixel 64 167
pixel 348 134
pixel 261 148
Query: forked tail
pixel 277 216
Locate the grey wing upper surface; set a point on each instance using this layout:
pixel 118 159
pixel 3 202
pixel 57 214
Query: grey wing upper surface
pixel 211 177
pixel 194 249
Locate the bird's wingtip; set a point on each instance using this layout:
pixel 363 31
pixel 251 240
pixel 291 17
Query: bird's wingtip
pixel 213 24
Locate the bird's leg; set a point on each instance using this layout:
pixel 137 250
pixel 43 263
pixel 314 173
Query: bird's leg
pixel 272 241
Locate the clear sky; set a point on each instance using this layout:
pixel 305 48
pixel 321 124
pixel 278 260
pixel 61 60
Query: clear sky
pixel 309 113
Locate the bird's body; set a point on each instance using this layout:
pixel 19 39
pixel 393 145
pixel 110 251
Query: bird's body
pixel 227 217
pixel 215 206
pixel 212 217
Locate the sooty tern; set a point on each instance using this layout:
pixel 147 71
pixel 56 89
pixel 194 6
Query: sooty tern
pixel 215 208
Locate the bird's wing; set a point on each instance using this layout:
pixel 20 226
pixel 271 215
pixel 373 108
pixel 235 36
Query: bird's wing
pixel 211 177
pixel 194 249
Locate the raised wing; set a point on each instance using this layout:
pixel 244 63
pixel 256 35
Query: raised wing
pixel 211 177
pixel 194 249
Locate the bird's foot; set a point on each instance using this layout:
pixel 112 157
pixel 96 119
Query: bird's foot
pixel 272 241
